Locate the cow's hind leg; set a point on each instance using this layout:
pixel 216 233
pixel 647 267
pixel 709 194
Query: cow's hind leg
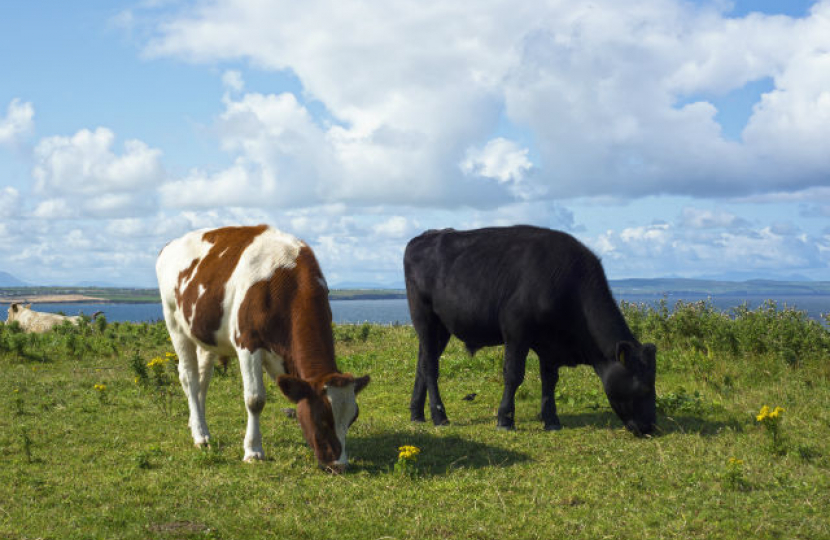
pixel 515 356
pixel 432 338
pixel 190 380
pixel 206 361
pixel 550 376
pixel 250 364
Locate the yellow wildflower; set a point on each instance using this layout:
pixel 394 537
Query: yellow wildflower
pixel 764 413
pixel 100 387
pixel 736 462
pixel 767 413
pixel 157 361
pixel 408 452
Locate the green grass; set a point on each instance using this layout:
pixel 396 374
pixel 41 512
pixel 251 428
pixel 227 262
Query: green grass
pixel 78 462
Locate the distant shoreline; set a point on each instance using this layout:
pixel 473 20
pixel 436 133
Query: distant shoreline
pixel 657 288
pixel 151 296
pixel 55 299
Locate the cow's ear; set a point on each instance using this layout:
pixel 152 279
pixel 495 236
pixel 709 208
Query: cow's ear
pixel 14 307
pixel 360 383
pixel 295 388
pixel 625 350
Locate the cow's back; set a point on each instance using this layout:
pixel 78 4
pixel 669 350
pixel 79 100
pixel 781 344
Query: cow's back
pixel 474 280
pixel 205 275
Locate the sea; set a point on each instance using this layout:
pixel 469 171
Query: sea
pixel 396 311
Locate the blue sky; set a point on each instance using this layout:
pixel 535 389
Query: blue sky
pixel 674 138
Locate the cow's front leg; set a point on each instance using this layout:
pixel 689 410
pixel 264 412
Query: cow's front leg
pixel 515 355
pixel 550 376
pixel 250 364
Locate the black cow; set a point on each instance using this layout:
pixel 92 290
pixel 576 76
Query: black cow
pixel 527 288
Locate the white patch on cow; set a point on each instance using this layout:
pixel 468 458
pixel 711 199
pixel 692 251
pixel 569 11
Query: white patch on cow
pixel 202 290
pixel 176 257
pixel 269 252
pixel 274 364
pixel 343 408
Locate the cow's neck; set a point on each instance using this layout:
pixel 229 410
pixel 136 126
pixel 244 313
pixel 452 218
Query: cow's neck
pixel 605 322
pixel 312 347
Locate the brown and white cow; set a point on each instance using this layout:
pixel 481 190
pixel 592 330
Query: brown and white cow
pixel 259 294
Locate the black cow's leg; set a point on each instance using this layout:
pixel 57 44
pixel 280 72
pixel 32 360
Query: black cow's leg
pixel 515 355
pixel 550 376
pixel 419 394
pixel 433 338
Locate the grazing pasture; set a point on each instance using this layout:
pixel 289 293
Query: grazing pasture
pixel 94 443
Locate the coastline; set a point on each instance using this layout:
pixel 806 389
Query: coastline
pixel 53 299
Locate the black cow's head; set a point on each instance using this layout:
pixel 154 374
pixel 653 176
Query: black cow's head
pixel 629 384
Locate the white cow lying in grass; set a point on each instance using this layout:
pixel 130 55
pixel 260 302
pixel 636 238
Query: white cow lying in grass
pixel 38 321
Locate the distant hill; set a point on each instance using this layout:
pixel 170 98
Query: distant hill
pixel 8 280
pixel 677 286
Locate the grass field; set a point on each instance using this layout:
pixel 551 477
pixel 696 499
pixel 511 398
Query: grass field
pixel 95 444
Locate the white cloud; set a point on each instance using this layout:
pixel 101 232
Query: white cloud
pixel 54 209
pixel 397 227
pixel 85 164
pixel 670 249
pixel 500 158
pixel 595 84
pixel 82 177
pixel 9 202
pixel 708 219
pixel 18 123
pixel 232 81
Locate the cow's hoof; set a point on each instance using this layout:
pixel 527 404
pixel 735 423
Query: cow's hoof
pixel 201 442
pixel 419 418
pixel 253 457
pixel 553 427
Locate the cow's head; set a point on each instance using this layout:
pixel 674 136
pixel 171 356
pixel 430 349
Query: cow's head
pixel 629 384
pixel 325 409
pixel 14 309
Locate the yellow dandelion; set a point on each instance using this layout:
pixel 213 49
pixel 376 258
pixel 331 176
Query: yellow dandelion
pixel 408 452
pixel 763 413
pixel 157 361
pixel 100 387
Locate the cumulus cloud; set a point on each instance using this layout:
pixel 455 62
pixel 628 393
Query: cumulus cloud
pixel 500 158
pixel 81 176
pixel 9 202
pixel 597 85
pixel 710 219
pixel 18 123
pixel 85 164
pixel 667 248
